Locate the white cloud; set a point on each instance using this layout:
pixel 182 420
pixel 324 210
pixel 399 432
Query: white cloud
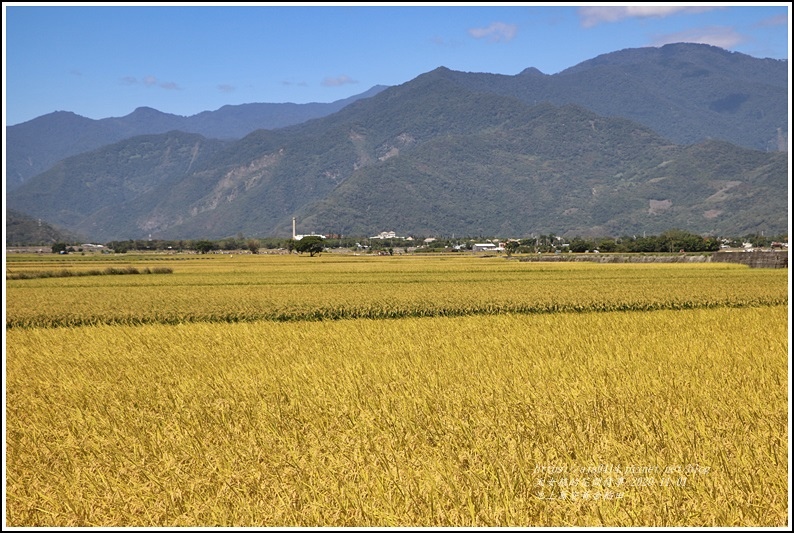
pixel 339 80
pixel 777 20
pixel 445 43
pixel 592 16
pixel 151 81
pixel 722 36
pixel 495 32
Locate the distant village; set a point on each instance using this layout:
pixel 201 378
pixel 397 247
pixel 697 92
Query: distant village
pixel 391 243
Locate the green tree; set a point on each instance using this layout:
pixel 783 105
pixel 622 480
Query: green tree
pixel 253 246
pixel 607 245
pixel 674 240
pixel 711 244
pixel 59 247
pixel 579 245
pixel 511 247
pixel 312 244
pixel 204 246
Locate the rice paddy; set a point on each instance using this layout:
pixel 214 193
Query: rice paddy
pixel 396 391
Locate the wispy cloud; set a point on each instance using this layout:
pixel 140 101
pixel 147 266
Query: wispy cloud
pixel 337 81
pixel 777 20
pixel 723 36
pixel 75 72
pixel 298 83
pixel 592 16
pixel 437 40
pixel 495 32
pixel 151 81
pixel 225 88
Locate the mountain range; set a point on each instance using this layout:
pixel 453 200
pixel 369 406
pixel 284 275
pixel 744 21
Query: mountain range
pixel 688 136
pixel 36 145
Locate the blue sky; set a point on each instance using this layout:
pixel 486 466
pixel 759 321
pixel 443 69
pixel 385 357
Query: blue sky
pixel 105 61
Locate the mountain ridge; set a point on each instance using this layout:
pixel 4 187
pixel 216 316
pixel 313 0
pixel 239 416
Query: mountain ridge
pixel 428 156
pixel 35 145
pixel 687 92
pixel 446 152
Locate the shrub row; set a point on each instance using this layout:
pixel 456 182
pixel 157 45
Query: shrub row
pixel 109 271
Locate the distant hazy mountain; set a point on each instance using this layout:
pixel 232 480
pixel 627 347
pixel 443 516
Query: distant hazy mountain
pixel 687 93
pixel 34 146
pixel 435 155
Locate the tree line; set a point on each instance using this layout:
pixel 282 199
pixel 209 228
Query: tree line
pixel 670 241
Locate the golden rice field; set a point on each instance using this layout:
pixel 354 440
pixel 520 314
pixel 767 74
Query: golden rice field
pixel 396 391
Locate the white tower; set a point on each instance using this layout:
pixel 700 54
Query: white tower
pixel 293 228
